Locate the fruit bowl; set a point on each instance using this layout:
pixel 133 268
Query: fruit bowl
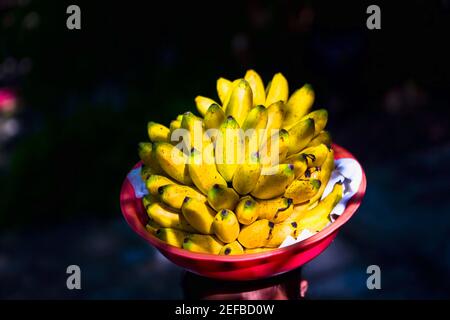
pixel 247 266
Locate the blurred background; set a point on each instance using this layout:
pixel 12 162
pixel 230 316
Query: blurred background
pixel 75 103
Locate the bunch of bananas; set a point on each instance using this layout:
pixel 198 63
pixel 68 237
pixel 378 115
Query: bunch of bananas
pixel 207 196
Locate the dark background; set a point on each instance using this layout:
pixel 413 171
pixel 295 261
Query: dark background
pixel 74 105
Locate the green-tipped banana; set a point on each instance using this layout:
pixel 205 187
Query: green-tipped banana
pixel 214 117
pixel 147 155
pixel 174 194
pixel 198 214
pixel 229 148
pixel 230 249
pixel 171 236
pixel 280 232
pixel 277 90
pixel 247 210
pixel 257 85
pixel 275 149
pixel 203 103
pixel 173 161
pixel 203 170
pixel 155 181
pixel 158 132
pixel 302 190
pixel 223 87
pixel 324 137
pixel 221 197
pixel 316 219
pixel 320 118
pixel 300 135
pixel 298 105
pixel 241 102
pixel 148 199
pixel 325 174
pixel 202 243
pixel 274 181
pixel 257 234
pixel 146 172
pixel 275 210
pixel 152 227
pixel 167 217
pixel 226 226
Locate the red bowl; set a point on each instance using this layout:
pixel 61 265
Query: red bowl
pixel 248 266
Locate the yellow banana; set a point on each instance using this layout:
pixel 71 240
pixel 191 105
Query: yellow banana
pixel 257 85
pixel 275 149
pixel 275 210
pixel 247 210
pixel 152 226
pixel 214 117
pixel 198 214
pixel 277 90
pixel 323 137
pixel 203 104
pixel 158 132
pixel 316 219
pixel 257 234
pixel 246 175
pixel 312 173
pixel 147 200
pixel 155 181
pixel 320 118
pixel 240 103
pixel 229 148
pixel 299 163
pixel 174 194
pixel 325 174
pixel 221 197
pixel 300 135
pixel 223 89
pixel 202 243
pixel 257 250
pixel 196 138
pixel 298 105
pixel 256 119
pixel 275 116
pixel 315 156
pixel 173 161
pixel 167 217
pixel 203 170
pixel 171 236
pixel 302 190
pixel 274 181
pixel 226 226
pixel 280 232
pixel 147 155
pixel 232 248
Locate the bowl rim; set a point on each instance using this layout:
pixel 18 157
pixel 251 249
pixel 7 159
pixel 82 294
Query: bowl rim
pixel 352 205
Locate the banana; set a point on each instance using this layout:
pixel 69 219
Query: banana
pixel 323 137
pixel 280 232
pixel 325 174
pixel 316 219
pixel 257 234
pixel 221 197
pixel 226 226
pixel 302 190
pixel 232 248
pixel 174 125
pixel 223 89
pixel 147 200
pixel 198 214
pixel 274 181
pixel 214 117
pixel 152 227
pixel 171 236
pixel 155 181
pixel 320 118
pixel 275 116
pixel 240 102
pixel 312 173
pixel 256 119
pixel 247 175
pixel 203 170
pixel 315 156
pixel 257 250
pixel 229 148
pixel 174 194
pixel 277 90
pixel 196 137
pixel 147 155
pixel 300 135
pixel 275 149
pixel 202 243
pixel 247 210
pixel 158 132
pixel 257 85
pixel 167 217
pixel 173 161
pixel 146 172
pixel 275 210
pixel 298 105
pixel 299 163
pixel 203 104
